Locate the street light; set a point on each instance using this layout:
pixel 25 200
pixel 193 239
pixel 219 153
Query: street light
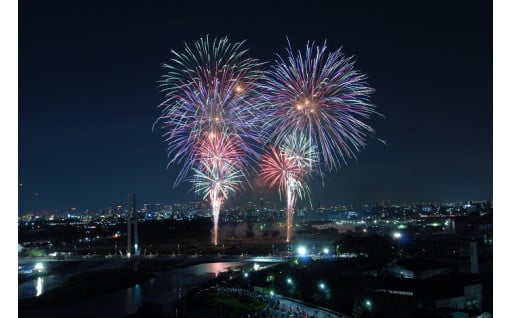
pixel 246 275
pixel 321 286
pixel 302 251
pixel 398 236
pixel 39 267
pixel 289 281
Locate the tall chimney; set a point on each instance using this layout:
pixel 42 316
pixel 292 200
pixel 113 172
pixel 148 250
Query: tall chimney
pixel 135 227
pixel 129 226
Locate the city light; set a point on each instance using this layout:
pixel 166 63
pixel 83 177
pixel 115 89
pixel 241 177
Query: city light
pixel 239 144
pixel 39 267
pixel 368 304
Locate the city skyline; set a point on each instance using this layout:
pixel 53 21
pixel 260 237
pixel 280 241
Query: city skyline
pixel 257 206
pixel 88 97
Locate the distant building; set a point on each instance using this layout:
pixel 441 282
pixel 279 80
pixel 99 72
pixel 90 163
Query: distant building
pixel 470 299
pixel 456 293
pixel 341 228
pixel 418 268
pixel 426 209
pixel 456 225
pixel 473 255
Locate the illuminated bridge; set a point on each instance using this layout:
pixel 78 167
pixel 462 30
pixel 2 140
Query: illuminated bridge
pixel 184 258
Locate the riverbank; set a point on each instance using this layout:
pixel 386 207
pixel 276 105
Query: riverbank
pixel 107 296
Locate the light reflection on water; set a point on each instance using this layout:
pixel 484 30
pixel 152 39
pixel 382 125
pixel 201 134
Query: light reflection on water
pixel 30 289
pixel 39 286
pixel 134 297
pixel 164 289
pixel 137 295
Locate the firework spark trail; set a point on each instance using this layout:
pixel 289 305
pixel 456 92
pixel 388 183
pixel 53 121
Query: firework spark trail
pixel 219 172
pixel 216 180
pixel 315 104
pixel 209 116
pixel 291 201
pixel 282 168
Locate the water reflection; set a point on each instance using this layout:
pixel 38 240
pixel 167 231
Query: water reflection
pixel 39 286
pixel 217 268
pixel 165 288
pixel 133 298
pixel 137 295
pixel 177 291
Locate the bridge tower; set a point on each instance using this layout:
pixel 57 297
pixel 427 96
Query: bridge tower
pixel 132 218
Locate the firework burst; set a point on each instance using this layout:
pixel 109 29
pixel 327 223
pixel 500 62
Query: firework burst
pixel 286 170
pixel 210 88
pixel 321 96
pixel 219 165
pixel 219 171
pixel 209 116
pixel 299 147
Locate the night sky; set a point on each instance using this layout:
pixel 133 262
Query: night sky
pixel 88 95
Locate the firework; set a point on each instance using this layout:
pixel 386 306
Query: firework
pixel 299 147
pixel 315 106
pixel 210 88
pixel 321 96
pixel 284 168
pixel 209 115
pixel 219 171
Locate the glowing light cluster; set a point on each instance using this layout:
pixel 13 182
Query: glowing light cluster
pixel 287 167
pixel 307 110
pixel 209 116
pixel 319 95
pixel 314 105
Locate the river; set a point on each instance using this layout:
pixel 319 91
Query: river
pixel 164 288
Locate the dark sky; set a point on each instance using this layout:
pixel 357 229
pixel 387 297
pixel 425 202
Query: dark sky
pixel 88 95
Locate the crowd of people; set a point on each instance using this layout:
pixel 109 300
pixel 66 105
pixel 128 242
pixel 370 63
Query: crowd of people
pixel 276 306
